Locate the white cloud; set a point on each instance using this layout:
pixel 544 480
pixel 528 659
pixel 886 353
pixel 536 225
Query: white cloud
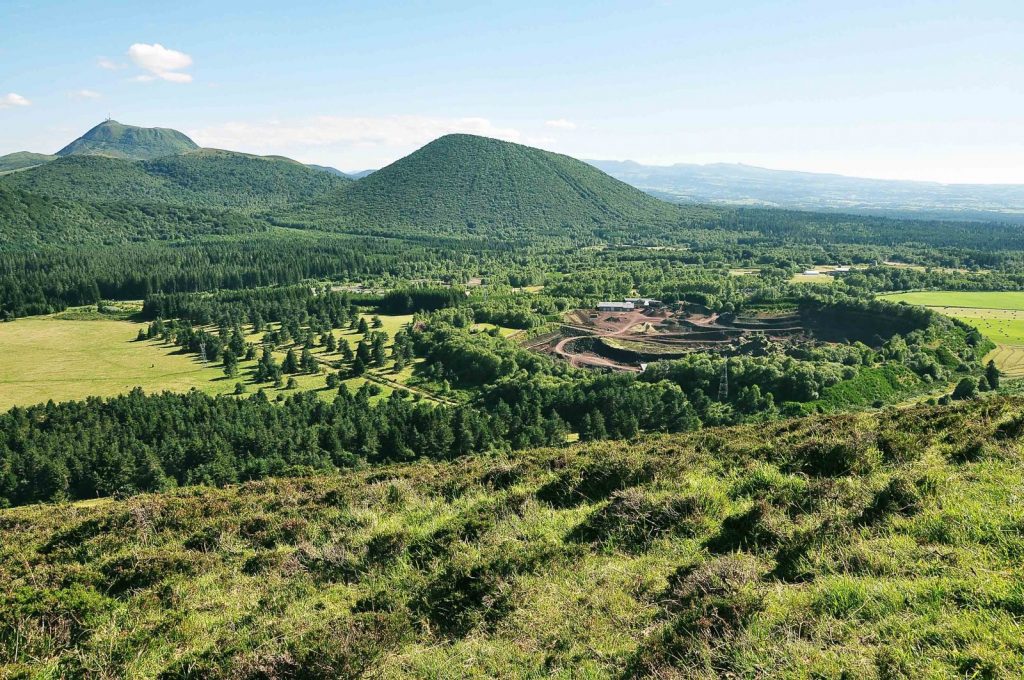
pixel 10 100
pixel 84 94
pixel 109 64
pixel 160 62
pixel 561 124
pixel 349 141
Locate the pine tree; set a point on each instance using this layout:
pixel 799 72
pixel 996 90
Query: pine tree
pixel 237 342
pixel 363 327
pixel 308 362
pixel 230 363
pixel 290 363
pixel 345 349
pixel 379 353
pixel 363 353
pixel 593 427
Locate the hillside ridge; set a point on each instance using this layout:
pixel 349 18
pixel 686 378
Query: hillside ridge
pixel 862 545
pixel 111 138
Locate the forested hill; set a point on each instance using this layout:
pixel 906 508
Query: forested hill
pixel 19 160
pixel 29 221
pixel 877 545
pixel 117 140
pixel 206 178
pixel 466 184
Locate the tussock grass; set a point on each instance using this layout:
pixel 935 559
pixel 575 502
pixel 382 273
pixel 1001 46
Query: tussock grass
pixel 879 545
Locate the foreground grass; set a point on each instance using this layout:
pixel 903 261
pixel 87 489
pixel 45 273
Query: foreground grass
pixel 881 545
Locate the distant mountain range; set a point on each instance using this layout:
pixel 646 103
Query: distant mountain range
pixel 457 185
pixel 105 188
pixel 112 139
pixel 736 184
pixel 470 181
pixel 338 173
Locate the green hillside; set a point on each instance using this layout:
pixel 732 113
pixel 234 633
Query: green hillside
pixel 467 184
pixel 328 169
pixel 883 545
pixel 19 160
pixel 116 140
pixel 205 178
pixel 29 220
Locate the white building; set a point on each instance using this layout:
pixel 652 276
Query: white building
pixel 615 306
pixel 643 302
pixel 811 272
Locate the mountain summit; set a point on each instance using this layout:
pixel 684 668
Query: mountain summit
pixel 117 140
pixel 463 183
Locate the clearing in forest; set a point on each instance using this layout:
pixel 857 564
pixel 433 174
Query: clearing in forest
pixel 48 357
pixel 999 315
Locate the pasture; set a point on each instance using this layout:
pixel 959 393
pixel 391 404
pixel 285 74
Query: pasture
pixel 44 358
pixel 1002 300
pixel 78 356
pixel 999 315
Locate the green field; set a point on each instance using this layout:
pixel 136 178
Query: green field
pixel 999 315
pixel 45 358
pixel 1010 300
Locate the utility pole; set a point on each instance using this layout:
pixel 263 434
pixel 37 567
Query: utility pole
pixel 723 383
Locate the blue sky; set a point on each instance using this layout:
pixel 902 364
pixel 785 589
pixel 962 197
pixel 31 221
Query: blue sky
pixel 914 90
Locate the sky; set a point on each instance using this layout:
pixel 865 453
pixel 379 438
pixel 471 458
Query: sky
pixel 898 89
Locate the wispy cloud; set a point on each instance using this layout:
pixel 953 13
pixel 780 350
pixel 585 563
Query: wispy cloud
pixel 10 100
pixel 109 64
pixel 348 137
pixel 161 63
pixel 84 94
pixel 561 124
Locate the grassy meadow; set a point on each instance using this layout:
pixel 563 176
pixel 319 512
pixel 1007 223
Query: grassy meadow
pixel 75 355
pixel 44 358
pixel 999 315
pixel 1003 300
pixel 868 546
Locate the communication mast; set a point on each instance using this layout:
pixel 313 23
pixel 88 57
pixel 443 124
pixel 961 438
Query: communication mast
pixel 723 383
